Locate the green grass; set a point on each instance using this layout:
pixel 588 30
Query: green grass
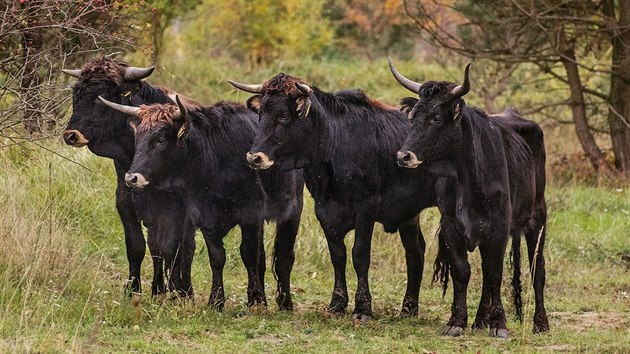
pixel 63 264
pixel 63 268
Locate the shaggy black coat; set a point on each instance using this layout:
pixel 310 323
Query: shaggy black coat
pixel 202 156
pixel 346 144
pixel 108 134
pixel 495 169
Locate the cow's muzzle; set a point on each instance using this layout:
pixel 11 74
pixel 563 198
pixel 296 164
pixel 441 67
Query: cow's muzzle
pixel 408 159
pixel 135 180
pixel 74 138
pixel 259 160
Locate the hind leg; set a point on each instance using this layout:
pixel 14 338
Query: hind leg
pixel 535 246
pixel 414 245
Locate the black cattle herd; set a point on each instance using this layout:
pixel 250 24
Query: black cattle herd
pixel 182 166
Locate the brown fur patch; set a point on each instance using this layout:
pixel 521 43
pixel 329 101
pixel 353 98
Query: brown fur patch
pixel 156 114
pixel 283 83
pixel 379 104
pixel 104 69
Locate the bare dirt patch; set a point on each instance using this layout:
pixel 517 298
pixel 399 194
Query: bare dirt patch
pixel 588 320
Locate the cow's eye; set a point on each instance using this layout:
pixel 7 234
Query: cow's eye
pixel 161 140
pixel 436 120
pixel 284 119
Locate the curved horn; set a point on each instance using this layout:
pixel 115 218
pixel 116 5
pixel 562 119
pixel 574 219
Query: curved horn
pixel 405 82
pixel 463 89
pixel 133 111
pixel 304 88
pixel 181 112
pixel 246 87
pixel 72 72
pixel 133 73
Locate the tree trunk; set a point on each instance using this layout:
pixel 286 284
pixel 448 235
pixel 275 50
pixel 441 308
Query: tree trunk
pixel 619 113
pixel 578 107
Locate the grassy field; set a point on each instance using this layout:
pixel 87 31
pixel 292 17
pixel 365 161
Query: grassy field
pixel 63 264
pixel 63 267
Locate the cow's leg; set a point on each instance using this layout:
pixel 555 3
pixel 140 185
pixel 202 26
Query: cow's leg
pixel 361 261
pixel 157 284
pixel 172 256
pixel 216 253
pixel 535 247
pixel 492 254
pixel 250 244
pixel 460 274
pixel 482 319
pixel 188 252
pixel 337 249
pixel 414 245
pixel 134 239
pixel 283 259
pixel 262 261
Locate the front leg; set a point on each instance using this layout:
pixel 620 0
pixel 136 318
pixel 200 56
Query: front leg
pixel 213 235
pixel 283 259
pixel 134 239
pixel 157 285
pixel 250 251
pixel 414 245
pixel 452 255
pixel 361 261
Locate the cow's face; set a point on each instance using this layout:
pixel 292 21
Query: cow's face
pixel 158 155
pixel 435 132
pixel 155 158
pixel 283 128
pixel 92 123
pixel 436 119
pixel 284 108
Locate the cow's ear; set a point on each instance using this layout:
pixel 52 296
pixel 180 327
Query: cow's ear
pixel 303 106
pixel 458 111
pixel 253 103
pixel 407 104
pixel 133 123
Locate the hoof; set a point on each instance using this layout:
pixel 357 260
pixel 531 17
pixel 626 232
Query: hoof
pixel 284 303
pixel 337 307
pixel 361 319
pixel 409 310
pixel 541 328
pixel 480 324
pixel 452 331
pixel 136 299
pixel 501 333
pixel 217 304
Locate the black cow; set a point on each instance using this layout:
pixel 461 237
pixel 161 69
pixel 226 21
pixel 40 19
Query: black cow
pixel 107 133
pixel 495 169
pixel 200 154
pixel 346 144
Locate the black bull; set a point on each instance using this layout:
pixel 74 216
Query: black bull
pixel 106 133
pixel 199 154
pixel 495 169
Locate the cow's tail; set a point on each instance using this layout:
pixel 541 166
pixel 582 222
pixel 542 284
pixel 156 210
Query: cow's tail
pixel 517 288
pixel 442 264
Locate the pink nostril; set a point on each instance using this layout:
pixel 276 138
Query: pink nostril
pixel 406 157
pixel 257 159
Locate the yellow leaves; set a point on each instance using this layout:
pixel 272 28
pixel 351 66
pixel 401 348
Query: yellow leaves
pixel 262 31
